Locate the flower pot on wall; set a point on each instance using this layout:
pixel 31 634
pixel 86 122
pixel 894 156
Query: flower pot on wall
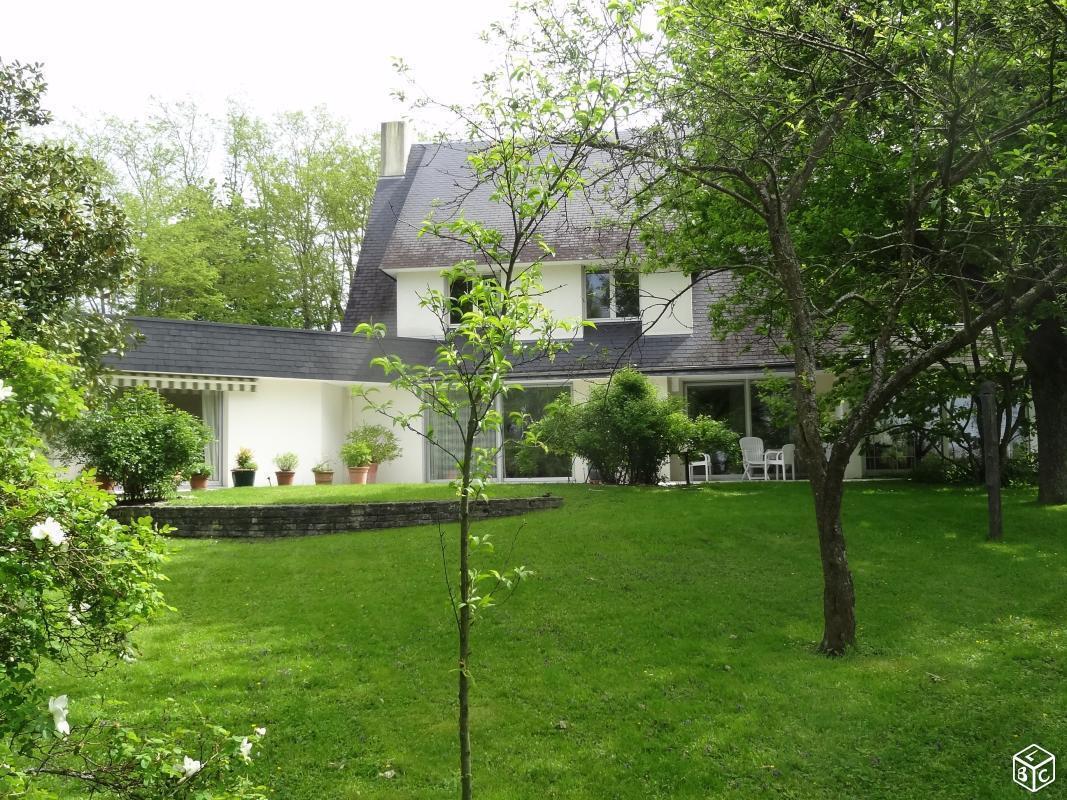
pixel 323 477
pixel 358 474
pixel 198 481
pixel 285 477
pixel 243 477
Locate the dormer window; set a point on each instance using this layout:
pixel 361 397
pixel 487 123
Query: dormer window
pixel 612 294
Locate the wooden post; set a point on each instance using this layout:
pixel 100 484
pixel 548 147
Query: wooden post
pixel 987 394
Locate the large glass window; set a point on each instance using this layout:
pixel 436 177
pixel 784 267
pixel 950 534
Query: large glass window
pixel 612 294
pixel 521 460
pixel 441 466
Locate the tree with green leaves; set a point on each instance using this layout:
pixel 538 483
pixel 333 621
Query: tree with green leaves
pixel 494 322
pixel 834 161
pixel 65 252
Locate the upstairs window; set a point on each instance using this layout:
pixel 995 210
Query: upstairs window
pixel 459 300
pixel 612 294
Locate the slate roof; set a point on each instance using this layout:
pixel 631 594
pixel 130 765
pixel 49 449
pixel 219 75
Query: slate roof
pixel 440 180
pixel 213 348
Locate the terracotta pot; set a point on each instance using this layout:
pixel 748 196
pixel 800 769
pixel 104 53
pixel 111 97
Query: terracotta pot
pixel 358 474
pixel 198 481
pixel 323 477
pixel 372 476
pixel 104 484
pixel 284 478
pixel 243 477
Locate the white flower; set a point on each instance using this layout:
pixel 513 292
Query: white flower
pixel 190 766
pixel 50 530
pixel 261 731
pixel 246 749
pixel 57 707
pixel 5 391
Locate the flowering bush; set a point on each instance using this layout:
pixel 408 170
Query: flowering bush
pixel 74 584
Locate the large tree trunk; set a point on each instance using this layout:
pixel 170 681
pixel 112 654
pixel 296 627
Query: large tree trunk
pixel 838 594
pixel 827 476
pixel 1045 354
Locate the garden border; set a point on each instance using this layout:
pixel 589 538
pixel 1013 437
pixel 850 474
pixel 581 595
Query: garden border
pixel 273 521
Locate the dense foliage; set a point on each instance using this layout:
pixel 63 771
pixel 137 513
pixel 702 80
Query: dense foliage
pixel 141 441
pixel 73 586
pixel 65 252
pixel 265 229
pixel 626 430
pixel 380 440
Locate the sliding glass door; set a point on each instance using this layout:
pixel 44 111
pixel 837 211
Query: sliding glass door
pixel 738 404
pixel 515 460
pixel 521 461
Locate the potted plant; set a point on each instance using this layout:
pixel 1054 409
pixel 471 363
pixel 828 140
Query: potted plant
pixel 199 474
pixel 244 473
pixel 357 457
pixel 383 444
pixel 323 472
pixel 286 464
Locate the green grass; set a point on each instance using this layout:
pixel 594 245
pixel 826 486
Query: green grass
pixel 664 649
pixel 344 493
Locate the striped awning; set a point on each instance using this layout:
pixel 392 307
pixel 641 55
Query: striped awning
pixel 170 380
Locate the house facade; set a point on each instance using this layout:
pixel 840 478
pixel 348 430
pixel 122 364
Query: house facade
pixel 276 390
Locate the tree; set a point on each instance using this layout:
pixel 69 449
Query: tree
pixel 833 160
pixel 270 238
pixel 494 322
pixel 65 250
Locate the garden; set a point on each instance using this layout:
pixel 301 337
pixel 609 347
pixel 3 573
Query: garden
pixel 662 648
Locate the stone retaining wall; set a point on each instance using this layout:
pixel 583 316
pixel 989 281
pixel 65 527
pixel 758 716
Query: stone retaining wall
pixel 200 522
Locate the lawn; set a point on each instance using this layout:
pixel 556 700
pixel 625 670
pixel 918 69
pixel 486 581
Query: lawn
pixel 664 649
pixel 345 493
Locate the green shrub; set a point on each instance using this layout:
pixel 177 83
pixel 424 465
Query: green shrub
pixel 201 468
pixel 141 441
pixel 1021 468
pixel 325 465
pixel 625 430
pixel 382 442
pixel 356 454
pixel 935 469
pixel 286 462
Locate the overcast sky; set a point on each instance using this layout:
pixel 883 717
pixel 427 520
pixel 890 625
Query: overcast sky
pixel 112 56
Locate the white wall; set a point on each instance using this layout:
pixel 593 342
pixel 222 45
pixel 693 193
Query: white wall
pixel 656 289
pixel 305 417
pixel 564 297
pixel 411 318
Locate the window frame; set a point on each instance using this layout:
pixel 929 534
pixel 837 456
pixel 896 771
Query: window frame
pixel 613 311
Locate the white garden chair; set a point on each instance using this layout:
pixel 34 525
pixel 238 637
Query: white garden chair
pixel 705 463
pixel 782 460
pixel 753 457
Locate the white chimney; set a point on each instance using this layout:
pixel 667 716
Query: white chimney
pixel 394 149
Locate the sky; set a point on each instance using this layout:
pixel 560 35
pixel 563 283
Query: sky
pixel 112 56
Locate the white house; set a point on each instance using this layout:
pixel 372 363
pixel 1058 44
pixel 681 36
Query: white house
pixel 275 390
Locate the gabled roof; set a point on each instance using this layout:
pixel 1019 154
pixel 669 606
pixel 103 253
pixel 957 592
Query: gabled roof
pixel 440 180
